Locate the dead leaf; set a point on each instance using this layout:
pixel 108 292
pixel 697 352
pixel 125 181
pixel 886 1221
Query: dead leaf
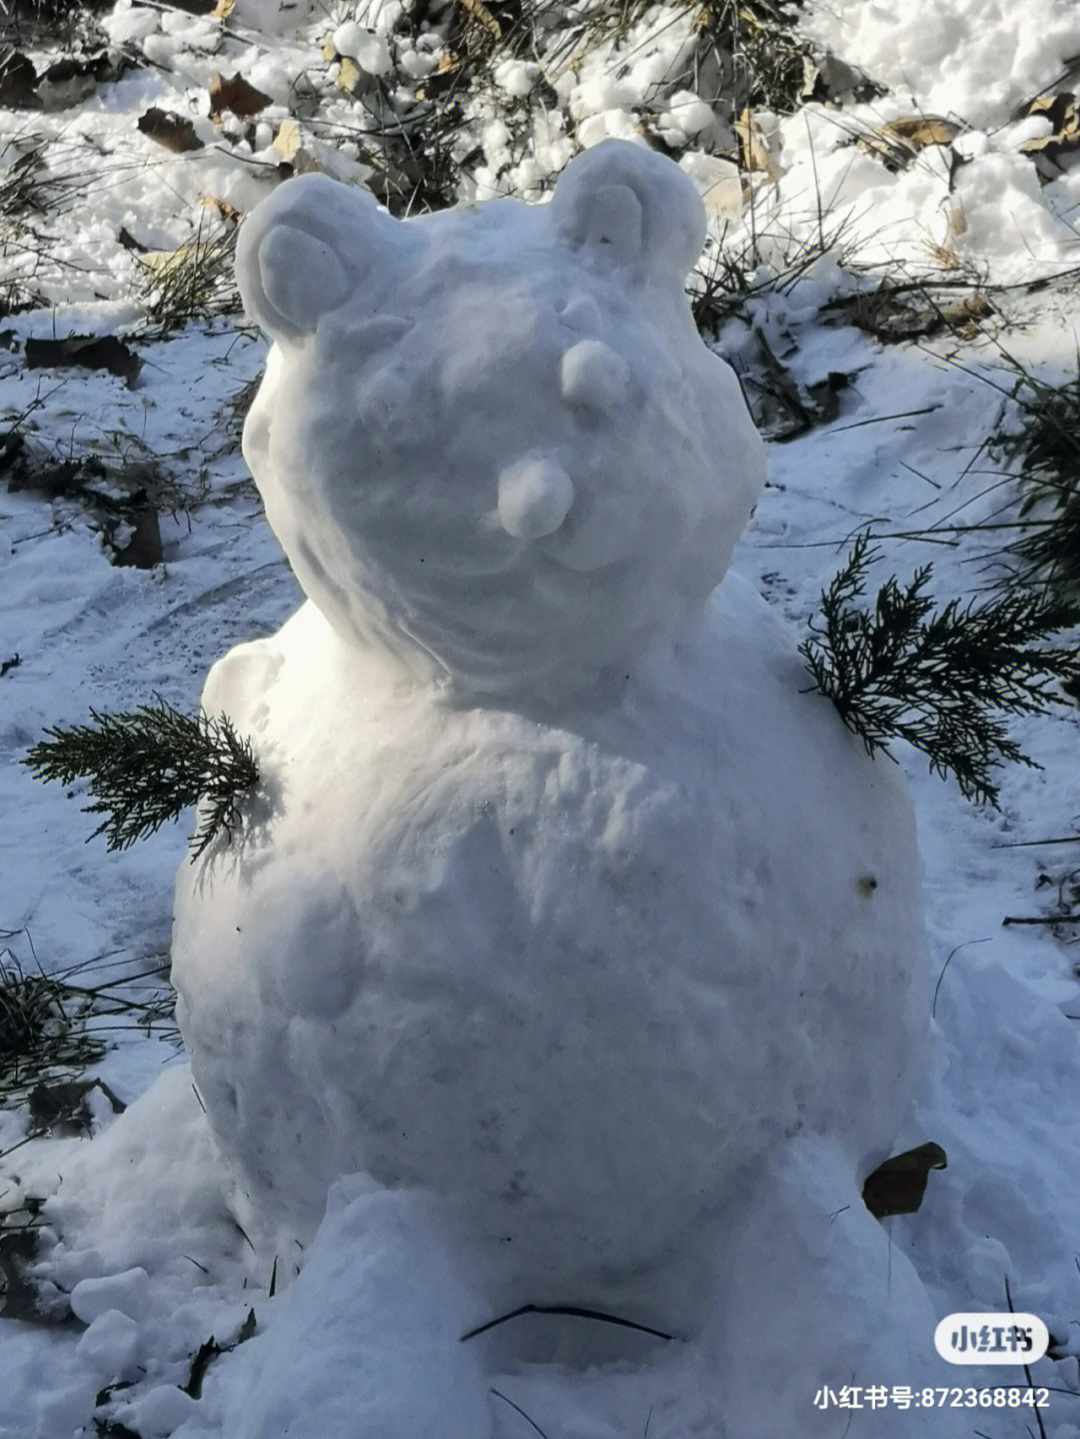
pixel 65 83
pixel 1062 112
pixel 17 80
pixel 826 395
pixel 898 1185
pixel 21 1296
pixel 897 143
pixel 892 319
pixel 209 1351
pixel 61 1107
pixel 350 77
pixel 827 77
pixel 1059 109
pixel 288 141
pixel 136 541
pixel 170 130
pixel 755 150
pixel 18 1297
pixel 233 93
pixel 918 131
pixel 91 352
pixel 224 9
pixel 479 12
pixel 224 209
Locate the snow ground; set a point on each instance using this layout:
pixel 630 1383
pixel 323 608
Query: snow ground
pixel 905 452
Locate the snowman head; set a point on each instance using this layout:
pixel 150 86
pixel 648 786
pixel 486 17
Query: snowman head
pixel 490 440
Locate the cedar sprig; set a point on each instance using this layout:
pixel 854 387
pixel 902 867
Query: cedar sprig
pixel 941 679
pixel 147 767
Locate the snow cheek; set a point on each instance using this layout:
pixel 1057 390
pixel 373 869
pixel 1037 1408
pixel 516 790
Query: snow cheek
pixel 385 408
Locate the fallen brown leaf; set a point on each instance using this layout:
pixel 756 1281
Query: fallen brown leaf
pixel 91 352
pixel 897 143
pixel 483 16
pixel 1063 114
pixel 17 80
pixel 918 131
pixel 350 77
pixel 755 151
pixel 170 130
pixel 898 1185
pixel 224 209
pixel 233 93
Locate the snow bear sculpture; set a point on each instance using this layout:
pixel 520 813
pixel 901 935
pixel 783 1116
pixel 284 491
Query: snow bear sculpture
pixel 564 902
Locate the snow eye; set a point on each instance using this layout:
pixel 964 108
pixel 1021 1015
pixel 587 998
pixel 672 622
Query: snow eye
pixel 594 377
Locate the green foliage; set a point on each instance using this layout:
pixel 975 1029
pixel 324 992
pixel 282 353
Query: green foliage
pixel 147 767
pixel 938 679
pixel 1047 448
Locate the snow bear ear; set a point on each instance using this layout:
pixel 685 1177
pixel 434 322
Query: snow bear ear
pixel 635 206
pixel 305 249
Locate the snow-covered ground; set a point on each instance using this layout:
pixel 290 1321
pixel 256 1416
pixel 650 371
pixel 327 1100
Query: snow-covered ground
pixel 140 1234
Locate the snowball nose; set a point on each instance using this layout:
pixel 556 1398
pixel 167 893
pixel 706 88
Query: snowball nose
pixel 535 496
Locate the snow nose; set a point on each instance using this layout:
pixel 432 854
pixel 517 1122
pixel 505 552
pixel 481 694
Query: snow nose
pixel 535 495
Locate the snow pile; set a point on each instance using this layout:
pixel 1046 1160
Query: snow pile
pixel 973 60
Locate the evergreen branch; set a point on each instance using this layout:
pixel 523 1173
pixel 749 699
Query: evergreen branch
pixel 147 767
pixel 935 678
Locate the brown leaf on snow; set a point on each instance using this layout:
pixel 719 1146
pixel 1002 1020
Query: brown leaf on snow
pixel 223 208
pixel 482 16
pixel 92 352
pixel 893 319
pixel 898 1185
pixel 897 143
pixel 17 80
pixel 1064 117
pixel 234 94
pixel 350 77
pixel 67 82
pixel 288 141
pixel 170 130
pixel 755 146
pixel 918 131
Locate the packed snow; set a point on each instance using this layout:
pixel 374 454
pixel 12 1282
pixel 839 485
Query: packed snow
pixel 204 1295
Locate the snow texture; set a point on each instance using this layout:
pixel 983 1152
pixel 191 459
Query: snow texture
pixel 365 1382
pixel 974 59
pixel 575 961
